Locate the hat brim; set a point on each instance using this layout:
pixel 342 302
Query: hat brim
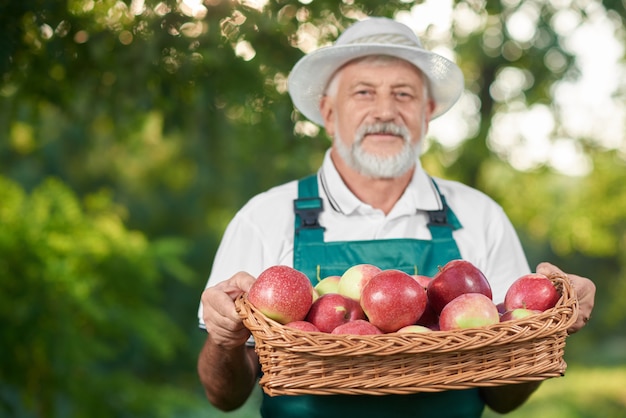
pixel 310 76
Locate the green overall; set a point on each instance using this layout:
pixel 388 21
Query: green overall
pixel 318 259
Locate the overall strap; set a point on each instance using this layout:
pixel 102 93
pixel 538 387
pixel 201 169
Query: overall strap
pixel 307 208
pixel 442 222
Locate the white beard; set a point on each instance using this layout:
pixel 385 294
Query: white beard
pixel 379 166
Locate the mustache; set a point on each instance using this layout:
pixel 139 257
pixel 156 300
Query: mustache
pixel 383 128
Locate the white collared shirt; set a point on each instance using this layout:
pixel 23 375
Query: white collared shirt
pixel 261 233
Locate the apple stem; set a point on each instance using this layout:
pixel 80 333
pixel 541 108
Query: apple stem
pixel 317 272
pixel 415 268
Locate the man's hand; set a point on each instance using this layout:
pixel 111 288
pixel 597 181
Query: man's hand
pixel 226 367
pixel 585 291
pixel 504 399
pixel 220 316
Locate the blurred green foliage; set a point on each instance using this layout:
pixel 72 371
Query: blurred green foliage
pixel 80 307
pixel 130 133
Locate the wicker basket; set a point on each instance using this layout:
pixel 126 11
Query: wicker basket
pixel 295 362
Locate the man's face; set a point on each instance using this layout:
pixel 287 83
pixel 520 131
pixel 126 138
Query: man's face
pixel 377 113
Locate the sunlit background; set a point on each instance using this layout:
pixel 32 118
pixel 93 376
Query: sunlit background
pixel 585 104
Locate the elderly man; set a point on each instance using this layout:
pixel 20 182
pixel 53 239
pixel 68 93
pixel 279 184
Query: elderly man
pixel 375 92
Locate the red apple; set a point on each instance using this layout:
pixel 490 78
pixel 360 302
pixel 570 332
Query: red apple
pixel 332 310
pixel 501 308
pixel 423 280
pixel 393 299
pixel 357 327
pixel 354 279
pixel 454 279
pixel 531 291
pixel 303 326
pixel 468 310
pixel 518 313
pixel 328 284
pixel 282 293
pixel 429 318
pixel 414 328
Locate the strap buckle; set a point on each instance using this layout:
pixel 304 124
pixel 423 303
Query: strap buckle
pixel 438 217
pixel 308 210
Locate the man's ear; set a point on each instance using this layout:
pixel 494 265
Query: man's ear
pixel 428 114
pixel 327 112
pixel 431 108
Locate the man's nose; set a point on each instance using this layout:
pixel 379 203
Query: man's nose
pixel 385 108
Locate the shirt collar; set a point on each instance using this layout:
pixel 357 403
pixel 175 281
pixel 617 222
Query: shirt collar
pixel 419 195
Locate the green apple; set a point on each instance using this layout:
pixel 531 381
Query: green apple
pixel 469 310
pixel 329 284
pixel 414 328
pixel 354 279
pixel 518 313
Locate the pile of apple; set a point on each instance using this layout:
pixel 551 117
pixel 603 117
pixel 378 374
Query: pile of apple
pixel 368 300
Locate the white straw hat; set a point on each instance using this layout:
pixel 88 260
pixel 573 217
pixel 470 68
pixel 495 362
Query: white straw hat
pixel 373 36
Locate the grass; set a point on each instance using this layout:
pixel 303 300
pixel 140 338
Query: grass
pixel 581 393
